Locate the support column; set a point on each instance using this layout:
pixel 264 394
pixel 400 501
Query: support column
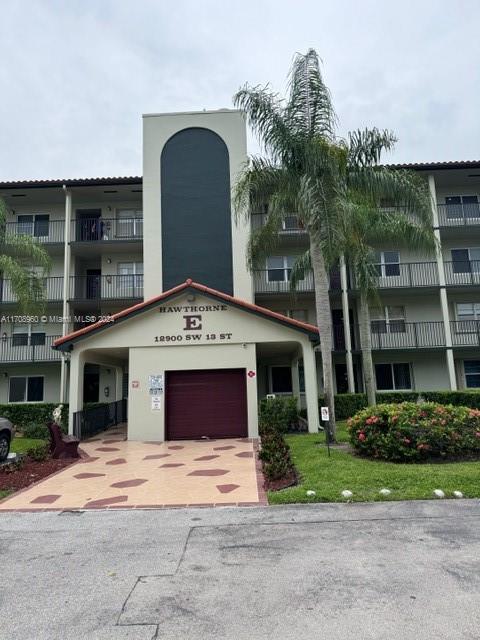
pixel 77 362
pixel 346 325
pixel 118 383
pixel 66 289
pixel 443 291
pixel 311 388
pixel 296 382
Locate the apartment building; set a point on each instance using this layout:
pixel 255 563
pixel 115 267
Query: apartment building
pixel 148 245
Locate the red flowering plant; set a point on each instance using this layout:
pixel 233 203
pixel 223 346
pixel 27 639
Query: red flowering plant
pixel 411 432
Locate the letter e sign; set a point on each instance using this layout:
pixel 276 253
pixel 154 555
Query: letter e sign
pixel 192 323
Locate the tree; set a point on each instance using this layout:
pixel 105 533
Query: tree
pixel 406 221
pixel 24 263
pixel 300 172
pixel 332 185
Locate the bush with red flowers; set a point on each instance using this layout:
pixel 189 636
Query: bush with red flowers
pixel 411 432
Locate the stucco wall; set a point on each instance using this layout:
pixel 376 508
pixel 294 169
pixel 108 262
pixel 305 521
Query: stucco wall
pixel 157 130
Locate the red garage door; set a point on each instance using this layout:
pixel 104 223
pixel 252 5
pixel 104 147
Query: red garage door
pixel 209 403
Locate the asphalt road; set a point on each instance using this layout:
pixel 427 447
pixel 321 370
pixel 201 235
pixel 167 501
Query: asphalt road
pixel 370 571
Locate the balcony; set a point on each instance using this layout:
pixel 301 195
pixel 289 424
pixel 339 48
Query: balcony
pixel 290 225
pixel 465 333
pixel 462 272
pixel 408 335
pixel 43 231
pixel 106 230
pixel 406 275
pixel 459 215
pixel 277 281
pixel 12 349
pixel 109 287
pixel 52 287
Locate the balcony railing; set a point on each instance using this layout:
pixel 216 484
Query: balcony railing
pixel 465 333
pixel 109 287
pixel 52 288
pixel 277 281
pixel 462 272
pixel 290 225
pixel 408 274
pixel 458 215
pixel 408 335
pixel 24 348
pixel 43 231
pixel 106 229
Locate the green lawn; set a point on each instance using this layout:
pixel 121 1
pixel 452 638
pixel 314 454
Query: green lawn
pixel 21 445
pixel 328 477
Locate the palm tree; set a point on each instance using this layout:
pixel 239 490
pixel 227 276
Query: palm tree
pixel 406 221
pixel 300 173
pixel 24 263
pixel 330 183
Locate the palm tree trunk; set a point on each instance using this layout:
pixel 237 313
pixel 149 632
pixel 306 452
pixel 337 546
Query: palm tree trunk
pixel 366 346
pixel 324 323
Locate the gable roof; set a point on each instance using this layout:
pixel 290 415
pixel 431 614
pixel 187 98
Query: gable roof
pixel 65 343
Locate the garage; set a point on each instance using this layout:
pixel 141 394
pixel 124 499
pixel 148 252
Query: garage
pixel 207 403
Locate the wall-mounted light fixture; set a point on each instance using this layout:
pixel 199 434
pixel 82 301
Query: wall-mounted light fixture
pixel 109 261
pixel 106 392
pixel 4 337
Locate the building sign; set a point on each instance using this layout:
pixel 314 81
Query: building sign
pixel 325 414
pixel 156 403
pixel 155 384
pixel 192 329
pixel 135 384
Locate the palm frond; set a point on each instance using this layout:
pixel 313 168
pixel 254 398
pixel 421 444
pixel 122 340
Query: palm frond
pixel 365 146
pixel 309 111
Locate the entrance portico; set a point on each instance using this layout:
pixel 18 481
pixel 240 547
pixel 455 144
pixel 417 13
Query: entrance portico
pixel 197 329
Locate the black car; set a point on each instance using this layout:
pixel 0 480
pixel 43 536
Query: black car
pixel 6 434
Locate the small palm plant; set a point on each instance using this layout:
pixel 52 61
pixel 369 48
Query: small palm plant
pixel 24 263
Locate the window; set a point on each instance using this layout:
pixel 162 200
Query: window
pixel 466 260
pixel 35 225
pixel 130 279
pixel 468 316
pixel 388 319
pixel 26 389
pixel 281 379
pixel 279 268
pixel 472 373
pixel 129 223
pixel 393 376
pixel 27 335
pixel 387 263
pixel 462 207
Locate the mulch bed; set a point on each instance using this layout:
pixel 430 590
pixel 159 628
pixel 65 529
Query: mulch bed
pixel 289 480
pixel 30 471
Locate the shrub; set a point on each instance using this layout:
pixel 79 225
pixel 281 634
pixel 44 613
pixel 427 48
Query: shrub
pixel 279 414
pixel 37 430
pixel 39 452
pixel 27 413
pixel 275 456
pixel 412 432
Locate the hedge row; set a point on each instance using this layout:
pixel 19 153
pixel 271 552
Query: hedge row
pixel 347 404
pixel 23 414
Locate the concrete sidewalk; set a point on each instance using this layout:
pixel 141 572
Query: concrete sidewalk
pixel 367 571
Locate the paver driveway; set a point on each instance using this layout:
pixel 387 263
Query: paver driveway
pixel 123 474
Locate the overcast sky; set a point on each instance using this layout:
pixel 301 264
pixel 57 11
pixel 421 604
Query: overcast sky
pixel 76 75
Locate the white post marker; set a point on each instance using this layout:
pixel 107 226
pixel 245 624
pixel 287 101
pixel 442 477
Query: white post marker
pixel 325 416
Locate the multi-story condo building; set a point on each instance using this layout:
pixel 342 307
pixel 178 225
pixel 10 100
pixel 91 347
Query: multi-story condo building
pixel 183 351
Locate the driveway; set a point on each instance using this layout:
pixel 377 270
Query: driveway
pixel 374 571
pixel 120 474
